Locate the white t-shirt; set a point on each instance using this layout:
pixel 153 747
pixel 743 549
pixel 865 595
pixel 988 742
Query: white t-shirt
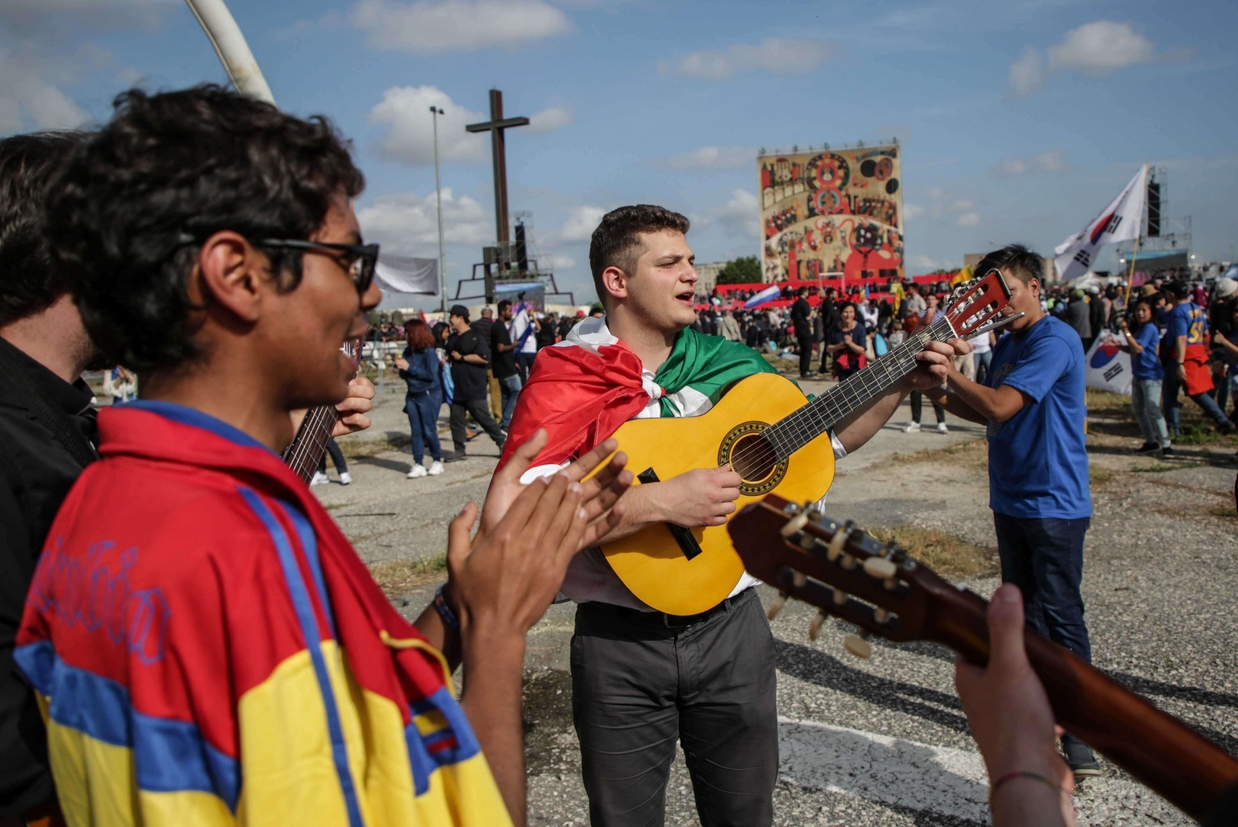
pixel 589 577
pixel 980 344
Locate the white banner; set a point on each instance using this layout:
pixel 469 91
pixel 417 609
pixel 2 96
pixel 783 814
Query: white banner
pixel 1120 221
pixel 402 274
pixel 1108 368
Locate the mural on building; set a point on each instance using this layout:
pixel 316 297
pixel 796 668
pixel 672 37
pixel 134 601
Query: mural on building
pixel 833 211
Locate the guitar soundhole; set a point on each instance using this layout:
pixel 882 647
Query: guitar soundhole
pixel 753 457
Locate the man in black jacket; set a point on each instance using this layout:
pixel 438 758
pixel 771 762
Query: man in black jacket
pixel 47 430
pixel 801 312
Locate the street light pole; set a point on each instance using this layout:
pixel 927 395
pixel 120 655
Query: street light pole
pixel 438 192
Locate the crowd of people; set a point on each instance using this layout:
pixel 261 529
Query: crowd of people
pixel 186 636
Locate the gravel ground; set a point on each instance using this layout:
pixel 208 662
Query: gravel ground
pixel 1160 577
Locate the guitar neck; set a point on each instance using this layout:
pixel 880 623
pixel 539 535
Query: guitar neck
pixel 310 443
pixel 1159 750
pixel 795 431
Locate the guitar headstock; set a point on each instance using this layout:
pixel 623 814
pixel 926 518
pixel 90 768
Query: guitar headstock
pixel 975 303
pixel 846 573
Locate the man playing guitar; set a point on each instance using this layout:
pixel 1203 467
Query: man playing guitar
pixel 643 679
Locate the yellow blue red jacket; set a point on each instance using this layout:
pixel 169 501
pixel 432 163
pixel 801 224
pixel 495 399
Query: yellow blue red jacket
pixel 208 649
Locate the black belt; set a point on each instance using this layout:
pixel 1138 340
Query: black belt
pixel 668 620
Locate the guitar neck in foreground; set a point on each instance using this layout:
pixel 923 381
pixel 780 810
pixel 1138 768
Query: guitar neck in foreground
pixel 885 592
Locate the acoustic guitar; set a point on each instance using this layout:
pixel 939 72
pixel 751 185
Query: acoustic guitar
pixel 776 440
pixel 310 441
pixel 885 592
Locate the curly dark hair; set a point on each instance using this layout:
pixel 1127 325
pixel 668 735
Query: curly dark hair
pixel 28 166
pixel 616 241
pixel 136 201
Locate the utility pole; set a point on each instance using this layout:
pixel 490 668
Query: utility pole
pixel 438 192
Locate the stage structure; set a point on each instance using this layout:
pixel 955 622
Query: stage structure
pixel 1165 243
pixel 828 211
pixel 507 266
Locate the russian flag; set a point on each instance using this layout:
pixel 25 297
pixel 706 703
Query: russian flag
pixel 767 295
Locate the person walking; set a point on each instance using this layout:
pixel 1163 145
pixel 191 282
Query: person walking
pixel 419 368
pixel 1186 337
pixel 470 356
pixel 1034 405
pixel 927 317
pixel 1142 344
pixel 503 363
pixel 801 313
pixel 337 459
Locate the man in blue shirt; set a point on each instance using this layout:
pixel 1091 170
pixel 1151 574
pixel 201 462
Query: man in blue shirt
pixel 1033 402
pixel 1186 339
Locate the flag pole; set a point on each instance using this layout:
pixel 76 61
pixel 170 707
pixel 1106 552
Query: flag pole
pixel 225 35
pixel 1130 275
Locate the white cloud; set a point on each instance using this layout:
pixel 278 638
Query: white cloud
pixel 711 157
pixel 437 26
pixel 1093 50
pixel 1027 74
pixel 923 262
pixel 1096 49
pixel 911 211
pixel 968 219
pixel 1009 168
pixel 1052 161
pixel 740 215
pixel 777 55
pixel 410 133
pixel 580 224
pixel 561 262
pixel 548 120
pixel 31 97
pixel 962 206
pixel 407 223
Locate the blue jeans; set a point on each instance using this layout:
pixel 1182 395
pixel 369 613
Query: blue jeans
pixel 1145 402
pixel 1044 558
pixel 422 409
pixel 1169 401
pixel 509 386
pixel 984 362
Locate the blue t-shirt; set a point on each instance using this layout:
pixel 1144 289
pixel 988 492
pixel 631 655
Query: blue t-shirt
pixel 1147 365
pixel 1038 461
pixel 1187 320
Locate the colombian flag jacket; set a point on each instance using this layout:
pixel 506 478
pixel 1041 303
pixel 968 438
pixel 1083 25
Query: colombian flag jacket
pixel 208 649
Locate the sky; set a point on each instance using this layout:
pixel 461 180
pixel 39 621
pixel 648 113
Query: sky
pixel 1018 121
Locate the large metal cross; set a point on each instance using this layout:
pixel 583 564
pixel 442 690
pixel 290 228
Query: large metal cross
pixel 495 127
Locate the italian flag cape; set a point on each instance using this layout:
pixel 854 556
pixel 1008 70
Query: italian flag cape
pixel 582 389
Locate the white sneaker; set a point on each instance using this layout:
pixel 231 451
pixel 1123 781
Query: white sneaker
pixel 436 468
pixel 418 470
pixel 320 479
pixel 912 428
pixel 345 478
pixel 942 429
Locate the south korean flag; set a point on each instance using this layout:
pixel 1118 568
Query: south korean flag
pixel 1120 221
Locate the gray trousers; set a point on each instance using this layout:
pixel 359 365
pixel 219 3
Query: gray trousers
pixel 639 686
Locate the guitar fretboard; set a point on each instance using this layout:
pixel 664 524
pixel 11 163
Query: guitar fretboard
pixel 797 429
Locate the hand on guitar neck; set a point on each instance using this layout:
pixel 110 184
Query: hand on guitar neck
pixel 352 410
pixel 1009 715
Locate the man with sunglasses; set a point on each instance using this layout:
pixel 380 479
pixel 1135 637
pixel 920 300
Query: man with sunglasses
pixel 205 644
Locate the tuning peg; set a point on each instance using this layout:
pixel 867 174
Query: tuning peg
pixel 858 645
pixel 776 606
pixel 880 568
pixel 796 524
pixel 814 628
pixel 838 541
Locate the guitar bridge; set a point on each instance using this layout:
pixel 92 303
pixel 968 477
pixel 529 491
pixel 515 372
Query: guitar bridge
pixel 684 537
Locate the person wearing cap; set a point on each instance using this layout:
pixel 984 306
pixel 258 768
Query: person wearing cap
pixel 469 355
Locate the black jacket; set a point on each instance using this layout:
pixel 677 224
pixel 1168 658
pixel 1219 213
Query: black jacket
pixel 800 311
pixel 36 472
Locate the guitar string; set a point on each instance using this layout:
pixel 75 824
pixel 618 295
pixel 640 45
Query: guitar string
pixel 790 434
pixel 312 431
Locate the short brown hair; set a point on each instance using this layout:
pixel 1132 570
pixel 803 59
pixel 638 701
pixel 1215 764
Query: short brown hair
pixel 419 335
pixel 616 241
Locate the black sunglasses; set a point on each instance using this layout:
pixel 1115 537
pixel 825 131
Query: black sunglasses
pixel 361 259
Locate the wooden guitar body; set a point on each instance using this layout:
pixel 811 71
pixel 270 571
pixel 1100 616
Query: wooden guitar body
pixel 651 562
